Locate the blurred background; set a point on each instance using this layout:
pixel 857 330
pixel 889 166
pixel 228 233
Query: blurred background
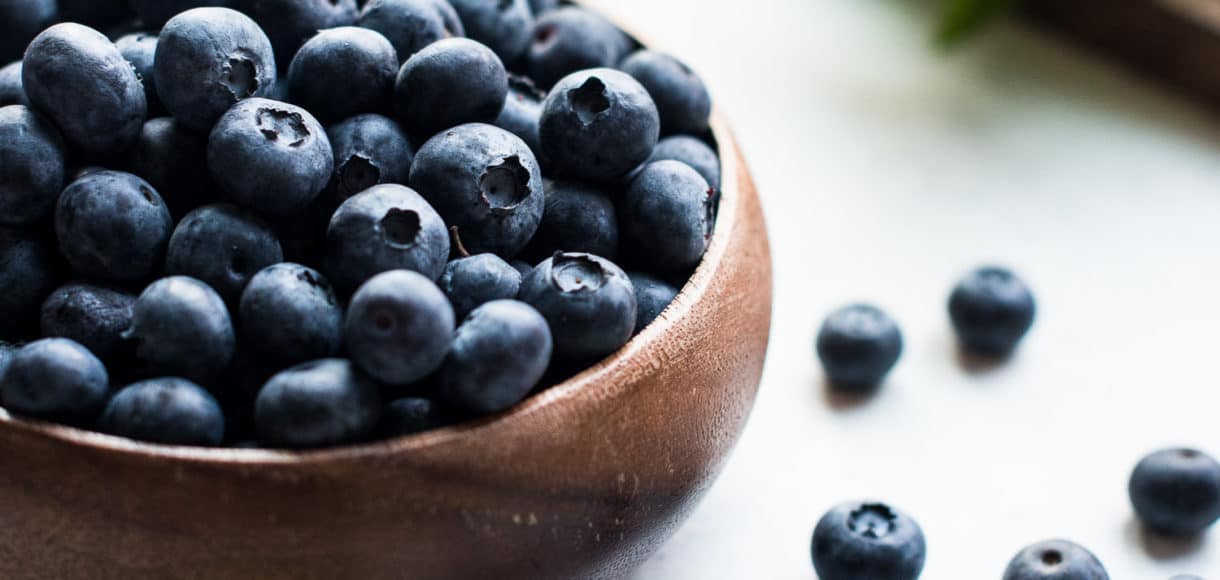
pixel 888 168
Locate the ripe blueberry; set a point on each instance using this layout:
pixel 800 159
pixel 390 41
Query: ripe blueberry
pixel 858 345
pixel 410 25
pixel 57 379
pixel 503 25
pixel 181 328
pixel 653 296
pixel 571 39
pixel 1055 560
pixel 1176 491
pixel 113 226
pixel 476 280
pixel 31 166
pixel 316 404
pixel 579 217
pixel 342 72
pixel 598 124
pixel 682 100
pixel 93 316
pixel 588 302
pixel 398 327
pixel 868 541
pixel 667 215
pixel 991 309
pixel 289 314
pixel 428 81
pixel 693 152
pixel 499 354
pixel 167 410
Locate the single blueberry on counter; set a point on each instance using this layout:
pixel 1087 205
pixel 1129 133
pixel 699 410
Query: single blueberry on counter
pixel 223 246
pixel 693 152
pixel 181 327
pixel 93 316
pixel 270 156
pixel 410 25
pixel 77 78
pixel 579 217
pixel 369 150
pixel 572 39
pixel 868 541
pixel 425 87
pixel 991 310
pixel 411 415
pixel 588 301
pixel 289 23
pixel 317 404
pixel 113 226
pixel 475 280
pixel 1176 491
pixel 1055 560
pixel 290 314
pixel 173 159
pixel 140 50
pixel 598 125
pixel 502 25
pixel 666 217
pixel 342 72
pixel 207 60
pixel 499 354
pixel 682 100
pixel 858 345
pixel 398 327
pixel 21 21
pixel 486 182
pixel 522 112
pixel 32 166
pixel 56 379
pixel 31 270
pixel 11 92
pixel 652 296
pixel 168 410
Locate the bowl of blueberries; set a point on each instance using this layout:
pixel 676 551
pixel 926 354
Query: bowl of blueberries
pixel 377 289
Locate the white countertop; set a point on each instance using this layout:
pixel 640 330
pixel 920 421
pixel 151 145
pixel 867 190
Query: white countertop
pixel 887 170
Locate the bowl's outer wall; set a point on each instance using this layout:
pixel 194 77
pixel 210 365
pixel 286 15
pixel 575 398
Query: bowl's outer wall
pixel 585 480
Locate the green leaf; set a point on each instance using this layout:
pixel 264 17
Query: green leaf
pixel 962 19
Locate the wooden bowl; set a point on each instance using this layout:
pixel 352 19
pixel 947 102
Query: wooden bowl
pixel 584 480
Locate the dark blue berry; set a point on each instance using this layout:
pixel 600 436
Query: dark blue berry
pixel 289 313
pixel 579 217
pixel 167 410
pixel 858 345
pixel 572 39
pixel 173 159
pixel 20 21
pixel 398 327
pixel 140 50
pixel 289 23
pixel 588 302
pixel 388 227
pixel 411 415
pixel 369 150
pixel 57 379
pixel 867 541
pixel 270 156
pixel 991 310
pixel 486 182
pixel 93 316
pixel 31 166
pixel 113 226
pixel 499 354
pixel 155 13
pixel 410 25
pixel 502 25
pixel 77 78
pixel 11 92
pixel 1055 560
pixel 207 60
pixel 666 217
pixel 342 72
pixel 317 404
pixel 1176 491
pixel 598 124
pixel 682 100
pixel 522 111
pixel 473 281
pixel 425 88
pixel 30 271
pixel 693 152
pixel 652 296
pixel 181 327
pixel 223 246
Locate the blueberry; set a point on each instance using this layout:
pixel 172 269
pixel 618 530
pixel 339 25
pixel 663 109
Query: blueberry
pixel 522 111
pixel 155 13
pixel 57 379
pixel 598 124
pixel 99 14
pixel 11 92
pixel 858 345
pixel 1176 491
pixel 223 246
pixel 167 410
pixel 113 226
pixel 173 159
pixel 410 25
pixel 270 156
pixel 316 404
pixel 486 182
pixel 20 21
pixel 289 23
pixel 499 354
pixel 666 216
pixel 77 78
pixel 503 25
pixel 31 166
pixel 30 271
pixel 181 328
pixel 342 72
pixel 572 39
pixel 476 280
pixel 653 296
pixel 411 415
pixel 588 302
pixel 369 150
pixel 1055 560
pixel 693 152
pixel 398 327
pixel 539 7
pixel 991 310
pixel 867 541
pixel 387 227
pixel 207 60
pixel 681 98
pixel 93 316
pixel 289 314
pixel 425 88
pixel 140 50
pixel 579 217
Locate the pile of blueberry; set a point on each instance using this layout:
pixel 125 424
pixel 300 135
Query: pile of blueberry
pixel 304 223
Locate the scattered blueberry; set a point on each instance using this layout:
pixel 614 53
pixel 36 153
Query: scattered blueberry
pixel 168 410
pixel 476 280
pixel 499 354
pixel 588 302
pixel 682 100
pixel 579 217
pixel 181 327
pixel 398 327
pixel 31 166
pixel 289 23
pixel 522 111
pixel 868 541
pixel 411 415
pixel 11 92
pixel 1176 491
pixel 666 217
pixel 21 21
pixel 598 124
pixel 173 159
pixel 369 150
pixel 502 25
pixel 571 39
pixel 410 25
pixel 57 379
pixel 289 314
pixel 991 310
pixel 223 246
pixel 93 316
pixel 113 226
pixel 858 345
pixel 140 50
pixel 342 72
pixel 425 88
pixel 1055 560
pixel 316 404
pixel 653 296
pixel 30 271
pixel 693 152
